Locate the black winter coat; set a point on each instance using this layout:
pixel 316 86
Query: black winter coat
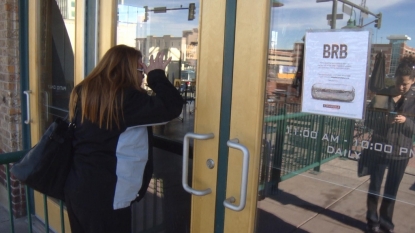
pixel 112 168
pixel 396 139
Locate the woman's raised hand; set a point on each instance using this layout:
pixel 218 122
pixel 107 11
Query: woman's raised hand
pixel 157 63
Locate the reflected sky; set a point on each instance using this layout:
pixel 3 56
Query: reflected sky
pixel 296 16
pixel 173 22
pixel 290 21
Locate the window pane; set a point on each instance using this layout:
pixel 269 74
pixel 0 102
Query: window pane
pixel 309 166
pixel 170 27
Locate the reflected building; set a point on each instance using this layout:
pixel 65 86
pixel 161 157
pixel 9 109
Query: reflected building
pixel 67 9
pixel 399 49
pixel 183 51
pixel 283 63
pixel 394 51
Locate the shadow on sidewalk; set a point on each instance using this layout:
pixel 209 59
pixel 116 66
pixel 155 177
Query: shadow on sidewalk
pixel 289 199
pixel 270 223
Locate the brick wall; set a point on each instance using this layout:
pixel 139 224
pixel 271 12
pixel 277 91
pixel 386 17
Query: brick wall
pixel 10 113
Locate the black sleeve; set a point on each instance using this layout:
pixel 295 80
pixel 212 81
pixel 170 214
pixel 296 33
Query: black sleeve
pixel 142 109
pixel 409 125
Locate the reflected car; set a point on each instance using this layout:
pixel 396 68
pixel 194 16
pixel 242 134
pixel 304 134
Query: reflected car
pixel 188 75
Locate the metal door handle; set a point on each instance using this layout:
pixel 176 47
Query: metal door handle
pixel 186 162
pixel 27 93
pixel 234 143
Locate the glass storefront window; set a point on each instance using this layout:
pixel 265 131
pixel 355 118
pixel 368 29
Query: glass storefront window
pixel 56 68
pixel 171 28
pixel 309 164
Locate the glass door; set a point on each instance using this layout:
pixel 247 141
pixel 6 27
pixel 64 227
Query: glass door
pixel 303 172
pixel 172 28
pixel 232 57
pixel 265 164
pixel 51 71
pixel 309 163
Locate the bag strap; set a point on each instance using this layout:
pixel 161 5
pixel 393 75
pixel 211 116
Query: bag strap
pixel 66 118
pixel 73 123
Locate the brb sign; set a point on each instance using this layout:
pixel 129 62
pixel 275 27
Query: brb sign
pixel 338 51
pixel 335 72
pixel 335 51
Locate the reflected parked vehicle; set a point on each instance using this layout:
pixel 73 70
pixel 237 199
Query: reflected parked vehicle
pixel 188 75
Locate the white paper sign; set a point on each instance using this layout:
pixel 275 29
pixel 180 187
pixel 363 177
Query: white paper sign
pixel 335 72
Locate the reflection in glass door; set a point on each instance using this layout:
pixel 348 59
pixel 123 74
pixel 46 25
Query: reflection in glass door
pixel 308 171
pixel 171 28
pixel 51 50
pixel 303 184
pixel 57 70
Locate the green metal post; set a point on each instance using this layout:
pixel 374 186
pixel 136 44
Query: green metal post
pixel 9 193
pixel 278 152
pixel 45 207
pixel 225 116
pixel 24 85
pixel 349 134
pixel 28 209
pixel 321 122
pixel 61 204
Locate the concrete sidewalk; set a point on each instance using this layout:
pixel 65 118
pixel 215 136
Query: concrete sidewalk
pixel 20 224
pixel 333 200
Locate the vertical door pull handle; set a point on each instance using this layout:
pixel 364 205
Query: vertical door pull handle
pixel 234 143
pixel 186 162
pixel 27 93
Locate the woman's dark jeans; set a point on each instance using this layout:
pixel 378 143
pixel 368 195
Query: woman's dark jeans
pixel 396 169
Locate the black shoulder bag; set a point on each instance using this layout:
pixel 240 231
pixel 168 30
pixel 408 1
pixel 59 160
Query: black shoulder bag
pixel 46 166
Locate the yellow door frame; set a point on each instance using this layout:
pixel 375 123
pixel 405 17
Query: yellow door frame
pixel 107 26
pixel 35 126
pixel 251 46
pixel 208 111
pixel 248 96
